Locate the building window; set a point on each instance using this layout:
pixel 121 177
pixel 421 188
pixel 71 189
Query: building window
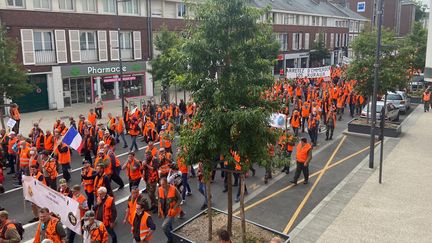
pixel 296 41
pixel 283 41
pixel 181 10
pixel 126 45
pixel 285 18
pixel 324 21
pixel 109 6
pixel 41 4
pixel 291 19
pixel 89 5
pixel 15 3
pixel 87 41
pixel 130 7
pixel 297 19
pixel 314 21
pixel 66 4
pixel 306 20
pixel 43 41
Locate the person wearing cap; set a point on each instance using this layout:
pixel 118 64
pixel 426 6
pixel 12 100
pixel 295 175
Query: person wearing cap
pixel 142 224
pixel 37 136
pixel 49 227
pixel 103 159
pixel 152 149
pixel 8 231
pixel 133 199
pixel 49 169
pixel 151 166
pixel 133 170
pixel 88 176
pixel 64 188
pixel 94 230
pixel 134 130
pixel 24 161
pixel 11 152
pixel 106 211
pixel 101 180
pixel 303 156
pixel 82 205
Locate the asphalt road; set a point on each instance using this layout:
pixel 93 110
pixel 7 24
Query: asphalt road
pixel 277 210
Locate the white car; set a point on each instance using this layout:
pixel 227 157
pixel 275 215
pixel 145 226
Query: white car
pixel 391 111
pixel 400 99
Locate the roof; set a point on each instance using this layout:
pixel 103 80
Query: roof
pixel 309 6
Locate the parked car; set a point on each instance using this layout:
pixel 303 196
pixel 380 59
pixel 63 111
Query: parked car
pixel 400 99
pixel 417 82
pixel 391 111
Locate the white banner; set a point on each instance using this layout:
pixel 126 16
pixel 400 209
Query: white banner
pixel 278 120
pixel 319 72
pixel 11 123
pixel 45 197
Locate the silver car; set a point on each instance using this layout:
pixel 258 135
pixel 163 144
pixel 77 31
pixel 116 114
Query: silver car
pixel 391 111
pixel 400 99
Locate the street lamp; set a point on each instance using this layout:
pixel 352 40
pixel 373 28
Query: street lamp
pixel 375 84
pixel 120 56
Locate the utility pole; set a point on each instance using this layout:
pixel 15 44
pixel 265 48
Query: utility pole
pixel 375 84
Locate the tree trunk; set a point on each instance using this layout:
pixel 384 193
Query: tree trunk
pixel 242 212
pixel 230 202
pixel 2 109
pixel 209 209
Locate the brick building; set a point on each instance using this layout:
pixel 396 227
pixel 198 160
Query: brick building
pixel 71 47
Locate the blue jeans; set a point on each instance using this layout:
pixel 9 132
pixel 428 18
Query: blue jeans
pixel 112 233
pixel 123 138
pixel 167 227
pixel 203 191
pixel 134 144
pixel 186 186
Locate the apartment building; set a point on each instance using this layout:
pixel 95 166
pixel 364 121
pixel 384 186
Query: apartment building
pixel 71 48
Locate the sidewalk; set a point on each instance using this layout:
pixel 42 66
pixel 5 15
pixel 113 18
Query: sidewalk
pixel 48 117
pixel 360 209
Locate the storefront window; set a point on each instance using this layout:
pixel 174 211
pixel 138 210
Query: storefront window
pixel 134 87
pixel 107 91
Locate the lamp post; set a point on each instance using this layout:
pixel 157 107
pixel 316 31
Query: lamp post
pixel 120 56
pixel 375 84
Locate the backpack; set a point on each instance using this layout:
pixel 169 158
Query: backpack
pixel 19 227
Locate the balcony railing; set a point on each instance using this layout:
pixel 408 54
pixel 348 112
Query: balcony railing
pixel 126 54
pixel 45 57
pixel 89 55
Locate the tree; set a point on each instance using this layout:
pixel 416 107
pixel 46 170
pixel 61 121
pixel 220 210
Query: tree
pixel 229 58
pixel 12 74
pixel 167 66
pixel 393 68
pixel 319 52
pixel 414 48
pixel 420 10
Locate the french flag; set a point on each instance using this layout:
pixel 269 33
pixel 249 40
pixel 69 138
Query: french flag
pixel 73 139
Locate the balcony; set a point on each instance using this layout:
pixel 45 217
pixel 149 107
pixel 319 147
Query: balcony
pixel 126 54
pixel 45 57
pixel 89 56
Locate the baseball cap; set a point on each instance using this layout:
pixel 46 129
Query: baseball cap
pixel 62 181
pixel 89 214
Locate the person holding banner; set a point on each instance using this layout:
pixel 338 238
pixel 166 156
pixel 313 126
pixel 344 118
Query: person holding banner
pixel 106 212
pixel 83 207
pixel 94 230
pixel 50 227
pixel 49 169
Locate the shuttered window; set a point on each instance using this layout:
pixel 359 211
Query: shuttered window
pixel 114 44
pixel 75 49
pixel 61 51
pixel 137 45
pixel 102 43
pixel 306 44
pixel 27 47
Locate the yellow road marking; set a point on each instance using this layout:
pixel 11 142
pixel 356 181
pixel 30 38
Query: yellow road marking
pixel 309 193
pixel 300 181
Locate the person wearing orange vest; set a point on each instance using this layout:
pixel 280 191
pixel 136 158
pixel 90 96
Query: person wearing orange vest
pixel 142 224
pixel 133 170
pixel 313 124
pixel 106 212
pixel 92 117
pixel 88 176
pixel 120 131
pixel 94 231
pixel 82 205
pixel 63 154
pixel 115 167
pixel 426 100
pixel 37 137
pixel 305 111
pixel 15 114
pixel 330 124
pixel 164 162
pixel 49 169
pixel 101 180
pixel 165 141
pixel 134 130
pixel 169 206
pixel 48 141
pixel 151 166
pixel 132 201
pixel 11 152
pixel 49 227
pixel 181 163
pixel 295 121
pixel 24 161
pixel 303 157
pixel 38 176
pixel 8 230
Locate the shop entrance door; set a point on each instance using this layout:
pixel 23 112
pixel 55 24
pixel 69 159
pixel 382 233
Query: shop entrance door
pixel 79 90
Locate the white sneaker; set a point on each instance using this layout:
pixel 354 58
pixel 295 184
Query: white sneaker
pixel 182 202
pixel 188 193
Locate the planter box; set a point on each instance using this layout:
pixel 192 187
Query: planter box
pixel 177 237
pixel 416 100
pixel 354 126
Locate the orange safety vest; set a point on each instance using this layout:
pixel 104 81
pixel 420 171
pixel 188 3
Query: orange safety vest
pixel 15 114
pixel 92 118
pixel 39 177
pixel 153 175
pixel 132 209
pixel 81 199
pixel 107 167
pixel 295 121
pixel 98 183
pixel 49 142
pixel 169 198
pixel 426 97
pixel 165 143
pixel 302 152
pixel 333 116
pixel 51 168
pixel 182 165
pixel 107 216
pixel 88 183
pixel 24 157
pixel 11 143
pixel 133 129
pixel 145 231
pixel 305 109
pixel 50 232
pixel 99 234
pixel 120 126
pixel 63 158
pixel 132 173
